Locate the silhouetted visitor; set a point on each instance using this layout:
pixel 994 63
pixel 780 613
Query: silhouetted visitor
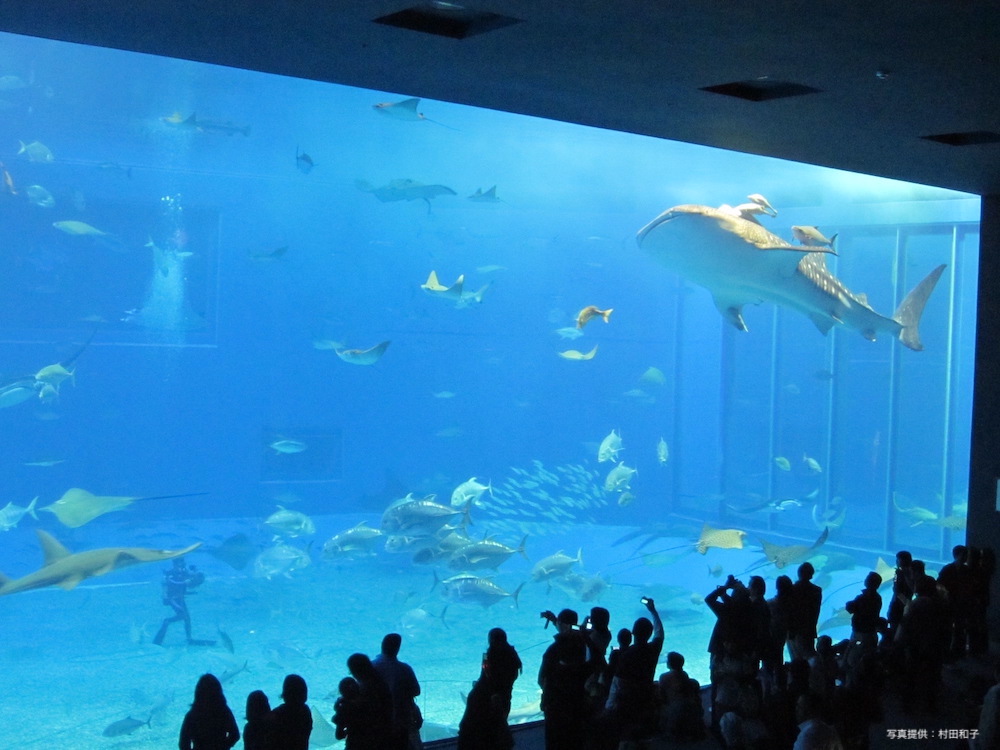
pixel 680 697
pixel 807 599
pixel 209 724
pixel 921 641
pixel 291 722
pixel 348 718
pixel 773 657
pixel 598 637
pixel 403 686
pixel 257 730
pixel 865 609
pixel 561 677
pixel 902 591
pixel 955 578
pixel 374 705
pixel 632 700
pixel 814 733
pixel 484 723
pixel 178 580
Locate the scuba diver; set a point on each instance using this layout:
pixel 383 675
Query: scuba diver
pixel 177 581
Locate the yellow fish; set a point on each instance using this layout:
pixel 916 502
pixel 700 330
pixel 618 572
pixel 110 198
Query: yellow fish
pixel 55 374
pixel 721 538
pixel 584 316
pixel 575 355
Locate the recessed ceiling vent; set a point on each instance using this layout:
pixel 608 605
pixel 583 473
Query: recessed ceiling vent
pixel 761 89
pixel 447 19
pixel 971 138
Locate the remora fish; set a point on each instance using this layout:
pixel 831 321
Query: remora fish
pixel 66 570
pixel 738 261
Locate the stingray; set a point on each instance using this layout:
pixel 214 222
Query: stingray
pixel 66 570
pixel 363 356
pixel 793 553
pixel 721 538
pixel 405 190
pixel 237 551
pixel 77 507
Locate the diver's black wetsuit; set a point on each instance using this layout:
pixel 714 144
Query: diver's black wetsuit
pixel 176 583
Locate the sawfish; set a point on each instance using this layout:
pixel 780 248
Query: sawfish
pixel 738 261
pixel 66 569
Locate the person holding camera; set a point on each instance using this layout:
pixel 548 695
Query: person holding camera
pixel 177 581
pixel 562 678
pixel 632 701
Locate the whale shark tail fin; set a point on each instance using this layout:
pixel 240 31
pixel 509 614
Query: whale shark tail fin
pixel 912 307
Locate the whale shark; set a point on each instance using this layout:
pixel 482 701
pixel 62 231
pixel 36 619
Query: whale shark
pixel 739 261
pixel 67 569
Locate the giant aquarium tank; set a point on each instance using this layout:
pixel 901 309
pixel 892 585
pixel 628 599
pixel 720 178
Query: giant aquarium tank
pixel 367 363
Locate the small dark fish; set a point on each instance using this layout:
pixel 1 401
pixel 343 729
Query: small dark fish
pixel 303 162
pixel 125 726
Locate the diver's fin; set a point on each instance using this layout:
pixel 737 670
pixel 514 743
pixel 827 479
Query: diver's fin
pixel 912 307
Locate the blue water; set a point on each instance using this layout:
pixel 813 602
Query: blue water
pixel 217 344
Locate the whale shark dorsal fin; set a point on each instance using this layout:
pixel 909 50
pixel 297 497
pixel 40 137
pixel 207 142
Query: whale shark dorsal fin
pixel 52 550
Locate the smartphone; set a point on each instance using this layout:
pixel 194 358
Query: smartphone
pixel 574 627
pixel 588 625
pixel 645 600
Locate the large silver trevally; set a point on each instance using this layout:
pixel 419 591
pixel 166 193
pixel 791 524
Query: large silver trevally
pixel 280 560
pixel 484 554
pixel 420 516
pixel 610 447
pixel 618 478
pixel 739 262
pixel 290 523
pixel 555 565
pixel 471 589
pixel 11 515
pixel 359 540
pixel 469 491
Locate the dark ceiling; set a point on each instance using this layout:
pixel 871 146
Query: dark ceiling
pixel 886 73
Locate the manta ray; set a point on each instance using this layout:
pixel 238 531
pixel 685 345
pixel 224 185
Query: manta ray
pixel 405 190
pixel 793 553
pixel 455 293
pixel 363 356
pixel 66 569
pixel 739 261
